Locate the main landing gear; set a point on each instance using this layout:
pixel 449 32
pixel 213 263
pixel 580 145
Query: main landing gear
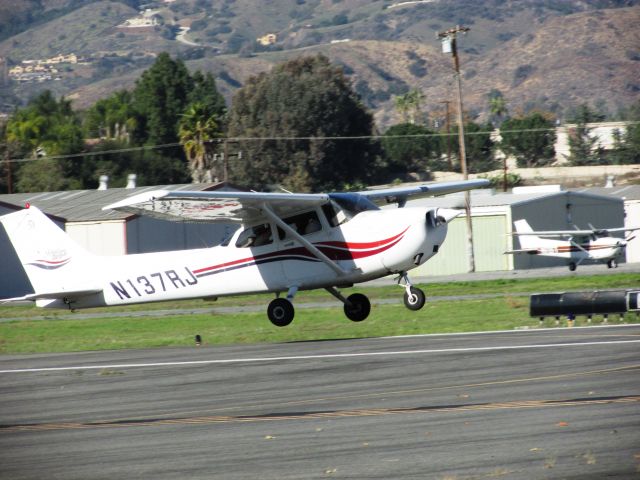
pixel 356 306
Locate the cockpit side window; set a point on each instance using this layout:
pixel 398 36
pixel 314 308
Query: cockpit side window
pixel 304 223
pixel 333 214
pixel 255 236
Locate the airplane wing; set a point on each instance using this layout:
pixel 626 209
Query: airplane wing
pixel 399 195
pixel 557 233
pixel 614 230
pixel 227 207
pixel 577 233
pixel 247 207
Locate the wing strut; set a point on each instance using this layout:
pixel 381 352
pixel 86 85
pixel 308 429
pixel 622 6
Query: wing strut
pixel 307 244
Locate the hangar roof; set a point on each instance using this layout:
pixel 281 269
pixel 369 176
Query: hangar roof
pixel 487 198
pixel 86 205
pixel 627 192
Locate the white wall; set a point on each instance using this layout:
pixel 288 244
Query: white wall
pixel 632 219
pixel 104 238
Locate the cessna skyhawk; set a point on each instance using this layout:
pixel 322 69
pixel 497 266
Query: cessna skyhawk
pixel 574 245
pixel 286 242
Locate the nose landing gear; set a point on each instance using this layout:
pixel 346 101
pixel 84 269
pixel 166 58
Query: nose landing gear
pixel 414 298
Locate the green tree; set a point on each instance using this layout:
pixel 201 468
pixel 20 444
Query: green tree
pixel 44 175
pixel 309 98
pixel 626 148
pixel 206 94
pixel 584 114
pixel 411 148
pixel 160 96
pixel 112 118
pixel 409 105
pixel 583 148
pixel 478 147
pixel 498 110
pixel 197 130
pixel 529 139
pixel 45 127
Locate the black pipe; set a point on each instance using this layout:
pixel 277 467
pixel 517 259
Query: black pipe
pixel 582 303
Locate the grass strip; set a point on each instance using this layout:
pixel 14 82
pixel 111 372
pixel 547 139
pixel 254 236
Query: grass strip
pixel 504 286
pixel 503 313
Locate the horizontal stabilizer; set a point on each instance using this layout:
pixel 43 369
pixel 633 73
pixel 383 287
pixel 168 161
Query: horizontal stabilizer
pixel 69 294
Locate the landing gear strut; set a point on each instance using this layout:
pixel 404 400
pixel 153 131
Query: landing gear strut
pixel 356 306
pixel 414 298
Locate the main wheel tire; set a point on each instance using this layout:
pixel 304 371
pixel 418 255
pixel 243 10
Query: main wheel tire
pixel 280 312
pixel 357 307
pixel 572 267
pixel 612 263
pixel 415 300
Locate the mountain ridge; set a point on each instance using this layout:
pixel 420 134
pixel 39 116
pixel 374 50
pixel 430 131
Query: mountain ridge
pixel 536 58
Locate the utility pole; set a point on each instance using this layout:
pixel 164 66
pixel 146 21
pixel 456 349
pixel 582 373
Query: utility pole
pixel 449 45
pixel 225 161
pixel 7 157
pixel 447 124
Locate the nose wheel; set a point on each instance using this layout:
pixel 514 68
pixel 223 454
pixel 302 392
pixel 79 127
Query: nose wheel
pixel 414 298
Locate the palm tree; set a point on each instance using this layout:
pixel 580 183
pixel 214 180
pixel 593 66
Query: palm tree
pixel 498 109
pixel 196 132
pixel 410 105
pixel 403 106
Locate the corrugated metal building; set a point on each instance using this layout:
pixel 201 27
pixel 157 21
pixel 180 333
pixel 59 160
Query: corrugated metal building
pixel 492 223
pixel 80 214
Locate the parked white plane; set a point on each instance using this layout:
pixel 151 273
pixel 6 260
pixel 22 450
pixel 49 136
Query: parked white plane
pixel 574 245
pixel 286 243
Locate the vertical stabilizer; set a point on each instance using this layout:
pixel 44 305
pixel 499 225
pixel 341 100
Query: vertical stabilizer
pixel 52 261
pixel 528 240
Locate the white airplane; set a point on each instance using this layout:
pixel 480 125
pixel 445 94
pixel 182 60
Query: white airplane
pixel 575 245
pixel 286 242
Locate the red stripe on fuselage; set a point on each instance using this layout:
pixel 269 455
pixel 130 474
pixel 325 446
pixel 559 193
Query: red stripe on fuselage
pixel 334 250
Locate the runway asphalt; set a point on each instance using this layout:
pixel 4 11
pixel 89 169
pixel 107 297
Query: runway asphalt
pixel 558 403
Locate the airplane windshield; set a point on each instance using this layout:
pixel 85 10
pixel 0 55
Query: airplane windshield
pixel 353 203
pixel 345 206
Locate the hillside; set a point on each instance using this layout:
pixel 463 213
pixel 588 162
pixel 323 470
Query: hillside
pixel 553 54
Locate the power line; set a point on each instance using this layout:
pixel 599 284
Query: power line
pixel 221 141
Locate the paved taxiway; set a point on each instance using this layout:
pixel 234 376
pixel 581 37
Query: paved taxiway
pixel 559 403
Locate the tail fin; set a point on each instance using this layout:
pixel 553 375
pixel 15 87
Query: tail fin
pixel 55 265
pixel 528 240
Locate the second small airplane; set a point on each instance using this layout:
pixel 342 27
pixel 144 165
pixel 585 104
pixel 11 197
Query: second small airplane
pixel 574 245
